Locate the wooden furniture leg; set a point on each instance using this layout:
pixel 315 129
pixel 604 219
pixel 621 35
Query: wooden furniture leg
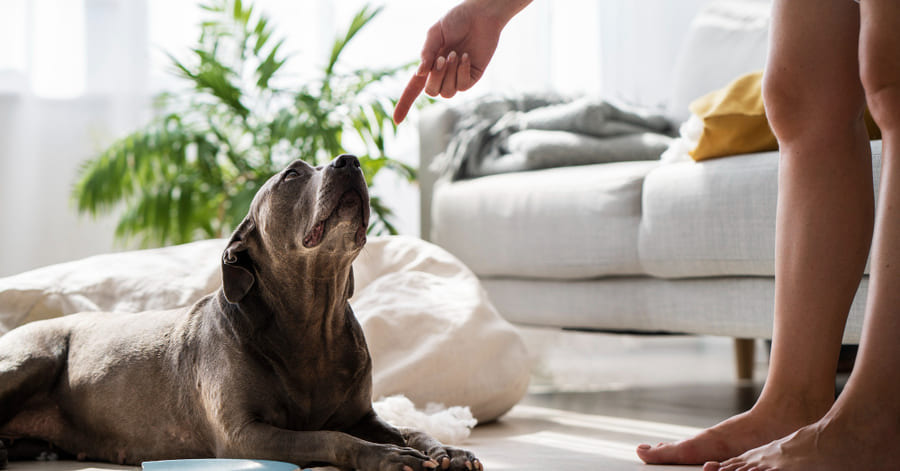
pixel 744 355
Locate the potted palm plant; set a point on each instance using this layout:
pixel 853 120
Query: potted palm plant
pixel 192 171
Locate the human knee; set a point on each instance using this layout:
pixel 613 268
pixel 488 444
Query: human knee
pixel 797 107
pixel 881 81
pixel 780 103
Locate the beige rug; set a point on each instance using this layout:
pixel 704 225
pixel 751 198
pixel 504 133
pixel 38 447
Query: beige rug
pixel 527 439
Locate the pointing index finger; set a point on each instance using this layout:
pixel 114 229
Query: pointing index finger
pixel 410 93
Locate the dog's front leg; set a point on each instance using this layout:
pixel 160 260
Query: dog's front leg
pixel 373 428
pixel 262 441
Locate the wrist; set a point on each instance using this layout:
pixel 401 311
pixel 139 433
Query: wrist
pixel 501 11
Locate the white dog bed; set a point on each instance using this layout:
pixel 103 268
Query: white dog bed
pixel 433 335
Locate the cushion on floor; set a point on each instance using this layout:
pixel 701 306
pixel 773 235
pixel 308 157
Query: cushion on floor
pixel 433 334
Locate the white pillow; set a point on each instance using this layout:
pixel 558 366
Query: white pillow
pixel 134 281
pixel 433 334
pixel 727 39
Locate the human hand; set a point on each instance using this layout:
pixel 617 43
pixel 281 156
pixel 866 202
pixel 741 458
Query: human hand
pixel 457 50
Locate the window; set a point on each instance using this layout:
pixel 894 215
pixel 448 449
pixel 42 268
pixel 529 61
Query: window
pixel 42 47
pixel 12 35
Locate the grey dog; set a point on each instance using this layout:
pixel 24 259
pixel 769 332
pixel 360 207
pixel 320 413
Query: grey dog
pixel 273 365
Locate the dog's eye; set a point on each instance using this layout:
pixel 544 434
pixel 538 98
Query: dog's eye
pixel 290 174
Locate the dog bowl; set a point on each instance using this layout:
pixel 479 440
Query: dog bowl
pixel 218 465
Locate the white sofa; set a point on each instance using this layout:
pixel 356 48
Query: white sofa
pixel 644 246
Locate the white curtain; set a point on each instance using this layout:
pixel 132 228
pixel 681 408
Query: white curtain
pixel 76 74
pixel 72 76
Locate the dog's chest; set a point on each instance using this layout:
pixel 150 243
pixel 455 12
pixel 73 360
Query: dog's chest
pixel 321 391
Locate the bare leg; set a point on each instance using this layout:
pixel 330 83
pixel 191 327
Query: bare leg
pixel 823 224
pixel 862 429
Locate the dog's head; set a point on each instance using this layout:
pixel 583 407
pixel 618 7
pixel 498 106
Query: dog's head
pixel 304 218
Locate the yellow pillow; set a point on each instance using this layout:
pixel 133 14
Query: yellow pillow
pixel 734 120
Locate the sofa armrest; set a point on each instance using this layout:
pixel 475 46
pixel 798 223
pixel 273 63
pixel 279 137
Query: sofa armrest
pixel 436 125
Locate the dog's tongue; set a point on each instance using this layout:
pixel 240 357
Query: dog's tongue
pixel 315 235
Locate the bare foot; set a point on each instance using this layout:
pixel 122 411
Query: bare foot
pixel 840 441
pixel 734 436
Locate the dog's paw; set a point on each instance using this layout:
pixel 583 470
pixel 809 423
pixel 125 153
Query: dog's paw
pixel 397 458
pixel 447 457
pixel 455 459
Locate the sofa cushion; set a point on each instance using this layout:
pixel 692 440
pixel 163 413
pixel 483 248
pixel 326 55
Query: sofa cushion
pixel 727 39
pixel 572 222
pixel 715 217
pixel 734 120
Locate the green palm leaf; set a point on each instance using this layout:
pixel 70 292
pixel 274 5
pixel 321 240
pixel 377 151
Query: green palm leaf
pixel 193 171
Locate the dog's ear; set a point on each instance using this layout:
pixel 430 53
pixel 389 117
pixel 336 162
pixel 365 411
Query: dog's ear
pixel 237 267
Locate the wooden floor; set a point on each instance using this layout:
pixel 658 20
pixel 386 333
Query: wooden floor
pixel 594 399
pixel 600 430
pixel 688 405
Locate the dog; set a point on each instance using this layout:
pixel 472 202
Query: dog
pixel 273 365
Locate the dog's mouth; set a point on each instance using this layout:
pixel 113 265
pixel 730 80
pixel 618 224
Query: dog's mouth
pixel 350 207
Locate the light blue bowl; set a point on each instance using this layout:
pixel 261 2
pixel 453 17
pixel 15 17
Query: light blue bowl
pixel 218 464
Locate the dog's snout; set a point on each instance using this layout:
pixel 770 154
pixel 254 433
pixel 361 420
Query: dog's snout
pixel 345 160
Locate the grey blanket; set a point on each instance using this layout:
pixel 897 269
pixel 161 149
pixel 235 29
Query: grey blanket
pixel 500 135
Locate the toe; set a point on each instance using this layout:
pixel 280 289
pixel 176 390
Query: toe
pixel 667 453
pixel 463 460
pixel 712 466
pixel 732 466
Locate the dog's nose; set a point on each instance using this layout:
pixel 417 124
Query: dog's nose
pixel 345 160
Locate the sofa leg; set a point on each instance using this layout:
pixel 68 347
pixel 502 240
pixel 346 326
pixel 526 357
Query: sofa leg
pixel 744 355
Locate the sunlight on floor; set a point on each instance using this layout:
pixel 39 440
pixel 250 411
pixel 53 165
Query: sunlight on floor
pixel 574 443
pixel 537 438
pixel 611 424
pixel 607 437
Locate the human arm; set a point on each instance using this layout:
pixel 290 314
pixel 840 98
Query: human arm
pixel 458 49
